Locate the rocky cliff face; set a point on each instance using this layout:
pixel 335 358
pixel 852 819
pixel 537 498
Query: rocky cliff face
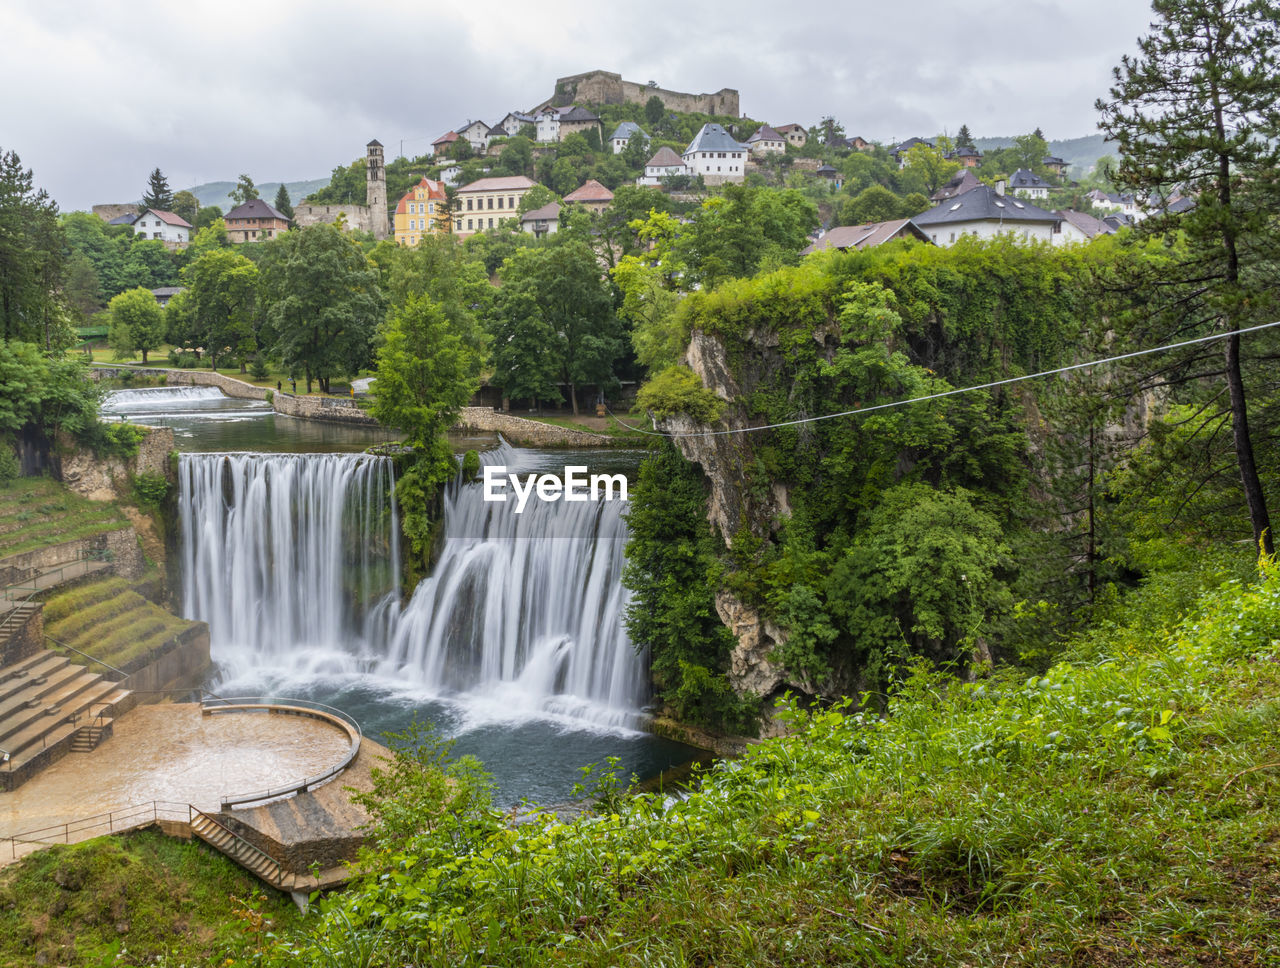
pixel 737 505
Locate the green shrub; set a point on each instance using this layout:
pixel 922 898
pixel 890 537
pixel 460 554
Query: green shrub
pixel 121 440
pixel 271 395
pixel 258 368
pixel 10 466
pixel 470 464
pixel 677 390
pixel 150 490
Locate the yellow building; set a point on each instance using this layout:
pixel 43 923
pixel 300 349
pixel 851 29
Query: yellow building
pixel 487 203
pixel 423 210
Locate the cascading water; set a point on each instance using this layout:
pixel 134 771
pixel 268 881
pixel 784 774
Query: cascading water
pixel 151 398
pixel 523 612
pixel 292 559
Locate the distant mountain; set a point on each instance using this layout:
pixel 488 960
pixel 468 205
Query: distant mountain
pixel 1080 154
pixel 217 193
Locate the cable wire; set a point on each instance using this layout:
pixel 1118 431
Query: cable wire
pixel 953 392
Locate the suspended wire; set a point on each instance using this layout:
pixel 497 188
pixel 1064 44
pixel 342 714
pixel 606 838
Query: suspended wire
pixel 953 392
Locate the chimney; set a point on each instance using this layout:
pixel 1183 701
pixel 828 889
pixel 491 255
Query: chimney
pixel 1000 186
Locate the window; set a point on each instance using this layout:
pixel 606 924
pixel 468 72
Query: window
pixel 431 208
pixel 468 204
pixel 469 225
pixel 458 226
pixel 490 202
pixel 490 223
pixel 511 201
pixel 500 201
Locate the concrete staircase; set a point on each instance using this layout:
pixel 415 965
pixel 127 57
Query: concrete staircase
pixel 14 617
pixel 256 861
pixel 50 707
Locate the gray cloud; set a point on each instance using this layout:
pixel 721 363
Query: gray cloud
pixel 99 94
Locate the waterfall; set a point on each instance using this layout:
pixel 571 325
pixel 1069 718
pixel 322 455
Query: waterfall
pixel 150 398
pixel 522 612
pixel 292 559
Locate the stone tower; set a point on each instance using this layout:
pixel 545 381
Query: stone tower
pixel 376 190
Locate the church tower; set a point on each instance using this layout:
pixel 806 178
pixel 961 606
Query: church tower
pixel 376 190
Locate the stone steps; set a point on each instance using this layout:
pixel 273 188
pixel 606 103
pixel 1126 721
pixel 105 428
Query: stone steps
pixel 243 853
pixel 46 703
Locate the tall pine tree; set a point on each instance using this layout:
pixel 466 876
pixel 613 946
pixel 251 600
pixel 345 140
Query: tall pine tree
pixel 158 194
pixel 1197 113
pixel 283 203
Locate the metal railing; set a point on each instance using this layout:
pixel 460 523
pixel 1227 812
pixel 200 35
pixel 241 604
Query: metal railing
pixel 291 707
pixel 143 815
pixel 33 587
pixel 106 665
pixel 275 868
pixel 115 821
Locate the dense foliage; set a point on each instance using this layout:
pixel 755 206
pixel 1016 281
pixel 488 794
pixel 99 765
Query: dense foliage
pixel 1122 801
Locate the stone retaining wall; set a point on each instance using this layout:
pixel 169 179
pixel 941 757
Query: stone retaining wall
pixel 126 557
pixel 178 666
pixel 331 409
pixel 532 433
pixel 25 641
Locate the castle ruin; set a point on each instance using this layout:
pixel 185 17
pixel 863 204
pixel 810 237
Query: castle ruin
pixel 605 87
pixel 369 217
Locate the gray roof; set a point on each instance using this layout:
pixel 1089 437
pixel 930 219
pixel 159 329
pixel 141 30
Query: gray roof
pixel 983 204
pixel 1087 223
pixel 962 181
pixel 712 137
pixel 867 236
pixel 579 114
pixel 254 208
pixel 907 145
pixel 549 212
pixel 625 130
pixel 1053 160
pixel 765 133
pixel 1023 178
pixel 1180 204
pixel 126 219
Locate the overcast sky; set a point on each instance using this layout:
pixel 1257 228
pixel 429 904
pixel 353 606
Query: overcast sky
pixel 98 93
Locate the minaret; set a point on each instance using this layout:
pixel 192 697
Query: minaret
pixel 376 190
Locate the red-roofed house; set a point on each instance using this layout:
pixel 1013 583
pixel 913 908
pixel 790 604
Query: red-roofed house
pixel 168 228
pixel 422 210
pixel 592 196
pixel 443 143
pixel 254 221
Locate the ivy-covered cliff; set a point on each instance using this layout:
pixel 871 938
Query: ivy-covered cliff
pixel 831 551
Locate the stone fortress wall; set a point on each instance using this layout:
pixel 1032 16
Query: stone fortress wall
pixel 605 87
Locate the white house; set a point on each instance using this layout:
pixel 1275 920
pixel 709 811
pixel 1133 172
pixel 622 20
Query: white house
pixel 1028 184
pixel 665 164
pixel 542 221
pixel 766 140
pixel 548 123
pixel 716 156
pixel 451 174
pixel 623 134
pixel 514 121
pixel 165 226
pixel 476 132
pixel 986 212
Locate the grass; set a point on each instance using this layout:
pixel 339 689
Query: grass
pixel 128 900
pixel 1120 808
pixel 110 622
pixel 159 360
pixel 36 512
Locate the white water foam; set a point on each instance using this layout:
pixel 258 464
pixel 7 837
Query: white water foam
pixel 154 398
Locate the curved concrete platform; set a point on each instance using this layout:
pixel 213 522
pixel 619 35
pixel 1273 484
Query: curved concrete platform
pixel 174 753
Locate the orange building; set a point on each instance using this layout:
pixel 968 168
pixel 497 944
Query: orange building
pixel 422 210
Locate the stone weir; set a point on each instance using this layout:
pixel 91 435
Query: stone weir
pixel 331 409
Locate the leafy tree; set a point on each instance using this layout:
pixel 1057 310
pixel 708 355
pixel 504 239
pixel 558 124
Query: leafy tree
pixel 137 322
pixel 636 153
pixel 43 393
pixel 158 194
pixel 927 167
pixel 427 369
pixel 322 301
pixel 536 197
pixel 206 215
pixel 186 206
pixel 283 203
pixel 554 298
pixel 745 229
pixel 32 259
pixel 347 186
pixel 211 236
pixel 1199 111
pixel 516 157
pixel 673 571
pixel 875 203
pixel 219 311
pixel 654 110
pixel 245 190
